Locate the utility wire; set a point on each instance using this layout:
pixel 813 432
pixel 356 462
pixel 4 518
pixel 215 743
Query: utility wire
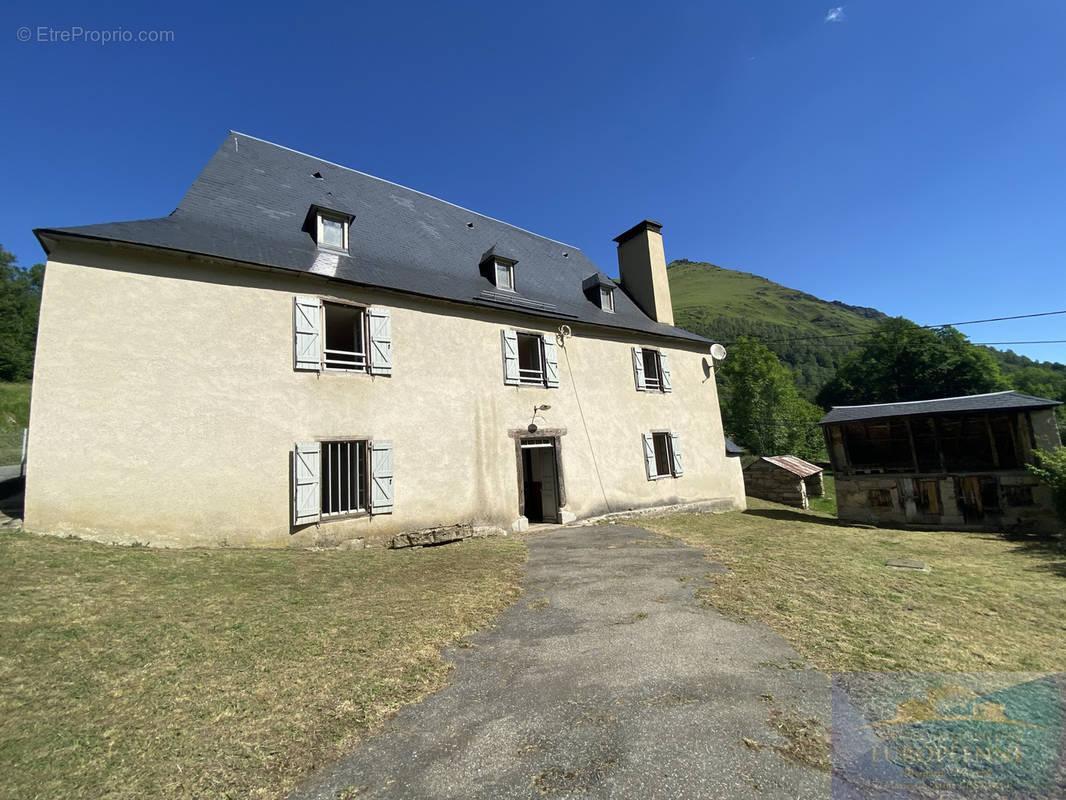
pixel 942 325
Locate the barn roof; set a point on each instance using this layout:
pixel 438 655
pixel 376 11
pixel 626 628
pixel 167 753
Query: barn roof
pixel 996 401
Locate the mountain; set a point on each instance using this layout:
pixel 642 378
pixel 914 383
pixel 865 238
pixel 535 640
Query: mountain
pixel 724 304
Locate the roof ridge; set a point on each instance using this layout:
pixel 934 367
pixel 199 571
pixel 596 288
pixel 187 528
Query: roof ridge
pixel 941 399
pixel 401 186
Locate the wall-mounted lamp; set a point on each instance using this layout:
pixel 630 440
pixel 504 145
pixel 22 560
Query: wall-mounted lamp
pixel 532 423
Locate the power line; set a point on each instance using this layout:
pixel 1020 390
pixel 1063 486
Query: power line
pixel 942 325
pixel 1037 341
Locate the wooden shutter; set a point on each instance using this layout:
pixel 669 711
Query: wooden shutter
pixel 510 357
pixel 306 471
pixel 638 368
pixel 551 362
pixel 664 371
pixel 381 477
pixel 675 453
pixel 307 340
pixel 380 326
pixel 649 454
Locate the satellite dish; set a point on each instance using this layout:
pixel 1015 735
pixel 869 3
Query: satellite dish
pixel 718 352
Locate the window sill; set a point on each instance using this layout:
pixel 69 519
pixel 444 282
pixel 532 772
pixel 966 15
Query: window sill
pixel 326 248
pixel 327 518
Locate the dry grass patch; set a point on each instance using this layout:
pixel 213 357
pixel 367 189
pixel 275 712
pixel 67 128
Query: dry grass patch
pixel 989 604
pixel 131 673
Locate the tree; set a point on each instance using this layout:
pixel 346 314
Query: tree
pixel 903 361
pixel 761 408
pixel 20 304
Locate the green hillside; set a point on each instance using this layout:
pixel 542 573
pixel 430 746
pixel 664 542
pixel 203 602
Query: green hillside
pixel 725 304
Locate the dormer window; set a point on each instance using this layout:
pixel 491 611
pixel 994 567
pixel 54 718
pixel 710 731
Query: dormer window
pixel 607 299
pixel 599 289
pixel 332 230
pixel 505 275
pixel 499 269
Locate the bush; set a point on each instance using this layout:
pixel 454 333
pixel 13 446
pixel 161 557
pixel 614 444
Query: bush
pixel 1051 469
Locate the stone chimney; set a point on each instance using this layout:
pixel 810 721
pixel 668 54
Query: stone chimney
pixel 642 266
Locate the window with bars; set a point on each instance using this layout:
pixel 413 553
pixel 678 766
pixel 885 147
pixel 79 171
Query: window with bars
pixel 341 477
pixel 344 478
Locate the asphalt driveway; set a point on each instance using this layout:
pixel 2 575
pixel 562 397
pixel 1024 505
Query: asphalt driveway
pixel 608 678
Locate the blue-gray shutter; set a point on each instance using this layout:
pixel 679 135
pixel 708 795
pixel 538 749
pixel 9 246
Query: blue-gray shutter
pixel 551 363
pixel 510 357
pixel 675 451
pixel 649 455
pixel 307 340
pixel 664 371
pixel 306 469
pixel 638 368
pixel 381 469
pixel 380 340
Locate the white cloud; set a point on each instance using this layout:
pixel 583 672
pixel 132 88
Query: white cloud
pixel 835 14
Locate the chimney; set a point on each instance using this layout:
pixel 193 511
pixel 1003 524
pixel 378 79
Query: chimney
pixel 642 266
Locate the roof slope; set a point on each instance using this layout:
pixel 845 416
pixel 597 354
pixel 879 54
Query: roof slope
pixel 795 465
pixel 252 200
pixel 996 401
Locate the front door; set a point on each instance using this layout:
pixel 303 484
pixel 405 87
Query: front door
pixel 540 489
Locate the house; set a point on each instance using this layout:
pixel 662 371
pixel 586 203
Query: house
pixel 304 354
pixel 784 479
pixel 958 462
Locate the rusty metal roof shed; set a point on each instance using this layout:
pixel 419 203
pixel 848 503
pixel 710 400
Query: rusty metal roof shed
pixel 797 466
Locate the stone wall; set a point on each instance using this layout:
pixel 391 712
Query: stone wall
pixel 769 482
pixel 1010 501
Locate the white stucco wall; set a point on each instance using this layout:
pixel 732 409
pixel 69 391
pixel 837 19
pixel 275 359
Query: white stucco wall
pixel 165 407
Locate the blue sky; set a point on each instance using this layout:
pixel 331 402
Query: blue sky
pixel 908 156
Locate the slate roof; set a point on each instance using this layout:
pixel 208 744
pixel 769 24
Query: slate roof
pixel 996 401
pixel 797 466
pixel 251 204
pixel 732 448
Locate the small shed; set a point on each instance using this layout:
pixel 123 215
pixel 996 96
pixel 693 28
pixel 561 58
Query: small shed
pixel 783 479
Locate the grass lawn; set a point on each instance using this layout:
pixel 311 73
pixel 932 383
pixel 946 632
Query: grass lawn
pixel 14 405
pixel 827 503
pixel 989 603
pixel 133 673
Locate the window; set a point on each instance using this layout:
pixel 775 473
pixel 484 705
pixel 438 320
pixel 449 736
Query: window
pixel 505 275
pixel 530 359
pixel 345 328
pixel 340 478
pixel 662 455
pixel 338 336
pixel 332 231
pixel 607 299
pixel 651 370
pixel 343 478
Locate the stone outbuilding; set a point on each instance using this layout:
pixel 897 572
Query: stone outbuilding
pixel 784 479
pixel 953 462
